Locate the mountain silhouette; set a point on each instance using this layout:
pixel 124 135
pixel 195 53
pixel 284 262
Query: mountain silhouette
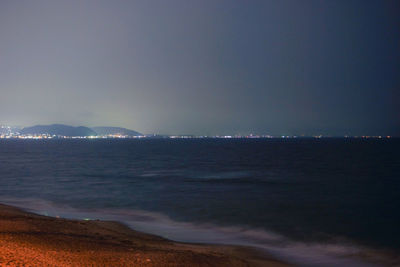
pixel 105 130
pixel 59 129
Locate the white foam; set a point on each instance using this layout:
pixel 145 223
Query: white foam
pixel 302 254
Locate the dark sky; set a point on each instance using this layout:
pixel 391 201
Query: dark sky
pixel 203 67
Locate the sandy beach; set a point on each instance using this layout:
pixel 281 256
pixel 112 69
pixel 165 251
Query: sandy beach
pixel 28 239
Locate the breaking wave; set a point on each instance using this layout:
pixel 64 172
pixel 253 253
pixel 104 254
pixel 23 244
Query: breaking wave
pixel 298 253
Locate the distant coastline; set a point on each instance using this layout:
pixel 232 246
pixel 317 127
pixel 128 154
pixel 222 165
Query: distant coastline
pixel 66 131
pixel 61 131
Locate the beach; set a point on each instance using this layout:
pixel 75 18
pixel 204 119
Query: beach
pixel 28 239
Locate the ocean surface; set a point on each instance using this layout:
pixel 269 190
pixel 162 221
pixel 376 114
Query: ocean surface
pixel 312 202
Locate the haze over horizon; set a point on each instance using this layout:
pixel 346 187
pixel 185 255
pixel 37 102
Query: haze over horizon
pixel 203 67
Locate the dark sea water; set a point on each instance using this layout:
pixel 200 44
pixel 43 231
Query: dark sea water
pixel 310 201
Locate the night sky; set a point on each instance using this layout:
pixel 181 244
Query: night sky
pixel 203 67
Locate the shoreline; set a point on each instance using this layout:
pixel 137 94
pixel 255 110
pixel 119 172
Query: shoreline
pixel 31 239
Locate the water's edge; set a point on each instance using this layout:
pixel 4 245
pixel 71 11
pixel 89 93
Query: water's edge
pixel 297 253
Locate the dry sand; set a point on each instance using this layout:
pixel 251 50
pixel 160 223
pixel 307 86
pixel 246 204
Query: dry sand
pixel 28 239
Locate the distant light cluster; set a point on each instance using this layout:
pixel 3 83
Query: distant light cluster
pixel 47 136
pixel 7 132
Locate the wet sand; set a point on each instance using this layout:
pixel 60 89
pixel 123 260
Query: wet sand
pixel 28 239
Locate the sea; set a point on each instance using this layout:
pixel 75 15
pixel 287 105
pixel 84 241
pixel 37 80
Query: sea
pixel 307 201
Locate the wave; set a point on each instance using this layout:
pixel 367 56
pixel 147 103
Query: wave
pixel 298 253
